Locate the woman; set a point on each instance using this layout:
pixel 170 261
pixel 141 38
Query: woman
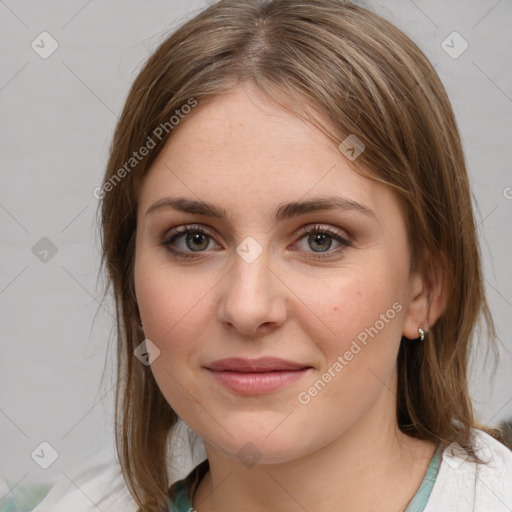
pixel 288 233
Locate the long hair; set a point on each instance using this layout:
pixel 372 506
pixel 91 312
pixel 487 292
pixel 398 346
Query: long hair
pixel 349 72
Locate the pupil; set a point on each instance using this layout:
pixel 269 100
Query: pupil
pixel 319 240
pixel 197 238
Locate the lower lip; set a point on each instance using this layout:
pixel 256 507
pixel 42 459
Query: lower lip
pixel 257 382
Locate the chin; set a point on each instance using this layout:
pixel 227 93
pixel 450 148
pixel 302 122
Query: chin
pixel 260 451
pixel 255 443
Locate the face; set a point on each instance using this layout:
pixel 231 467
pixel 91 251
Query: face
pixel 242 255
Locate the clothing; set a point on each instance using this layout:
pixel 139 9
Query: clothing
pixel 464 486
pixel 420 499
pixel 460 485
pixel 23 497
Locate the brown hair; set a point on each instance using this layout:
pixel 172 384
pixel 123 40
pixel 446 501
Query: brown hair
pixel 348 71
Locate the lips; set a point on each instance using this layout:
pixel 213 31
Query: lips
pixel 256 376
pixel 262 364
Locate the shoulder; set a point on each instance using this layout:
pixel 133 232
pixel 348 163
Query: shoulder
pixel 462 485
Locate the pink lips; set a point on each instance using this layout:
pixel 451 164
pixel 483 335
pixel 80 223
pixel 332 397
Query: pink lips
pixel 256 376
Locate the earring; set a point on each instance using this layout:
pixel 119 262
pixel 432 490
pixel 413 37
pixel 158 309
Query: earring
pixel 421 332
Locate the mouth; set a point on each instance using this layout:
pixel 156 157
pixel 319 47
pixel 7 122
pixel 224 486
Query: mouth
pixel 256 376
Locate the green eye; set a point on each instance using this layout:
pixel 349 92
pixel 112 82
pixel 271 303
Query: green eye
pixel 319 239
pixel 183 241
pixel 197 241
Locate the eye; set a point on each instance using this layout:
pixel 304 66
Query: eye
pixel 320 240
pixel 183 241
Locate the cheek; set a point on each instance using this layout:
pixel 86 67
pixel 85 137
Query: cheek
pixel 176 309
pixel 354 305
pixel 173 307
pixel 358 332
pixel 366 315
pixel 168 297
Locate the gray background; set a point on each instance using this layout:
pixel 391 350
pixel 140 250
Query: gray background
pixel 57 120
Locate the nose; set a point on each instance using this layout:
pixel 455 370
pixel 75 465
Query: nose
pixel 253 298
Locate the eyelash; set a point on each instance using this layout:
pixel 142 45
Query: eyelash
pixel 305 231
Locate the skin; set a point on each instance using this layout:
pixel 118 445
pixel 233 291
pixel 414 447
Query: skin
pixel 342 451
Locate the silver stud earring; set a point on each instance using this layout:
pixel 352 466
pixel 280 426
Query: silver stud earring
pixel 421 332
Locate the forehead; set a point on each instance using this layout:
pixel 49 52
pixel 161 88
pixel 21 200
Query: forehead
pixel 244 151
pixel 244 123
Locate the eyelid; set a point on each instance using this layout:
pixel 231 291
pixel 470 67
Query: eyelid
pixel 178 230
pixel 324 228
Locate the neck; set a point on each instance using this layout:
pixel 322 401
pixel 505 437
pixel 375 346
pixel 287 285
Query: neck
pixel 373 466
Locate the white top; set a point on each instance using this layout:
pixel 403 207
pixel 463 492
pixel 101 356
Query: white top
pixel 460 486
pixel 463 486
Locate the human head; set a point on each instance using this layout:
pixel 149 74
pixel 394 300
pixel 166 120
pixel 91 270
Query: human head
pixel 348 72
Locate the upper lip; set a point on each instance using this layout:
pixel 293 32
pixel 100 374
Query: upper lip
pixel 262 364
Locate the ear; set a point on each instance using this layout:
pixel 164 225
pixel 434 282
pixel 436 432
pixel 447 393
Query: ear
pixel 427 301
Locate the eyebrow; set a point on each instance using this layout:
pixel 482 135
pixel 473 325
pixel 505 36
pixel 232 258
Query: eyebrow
pixel 284 211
